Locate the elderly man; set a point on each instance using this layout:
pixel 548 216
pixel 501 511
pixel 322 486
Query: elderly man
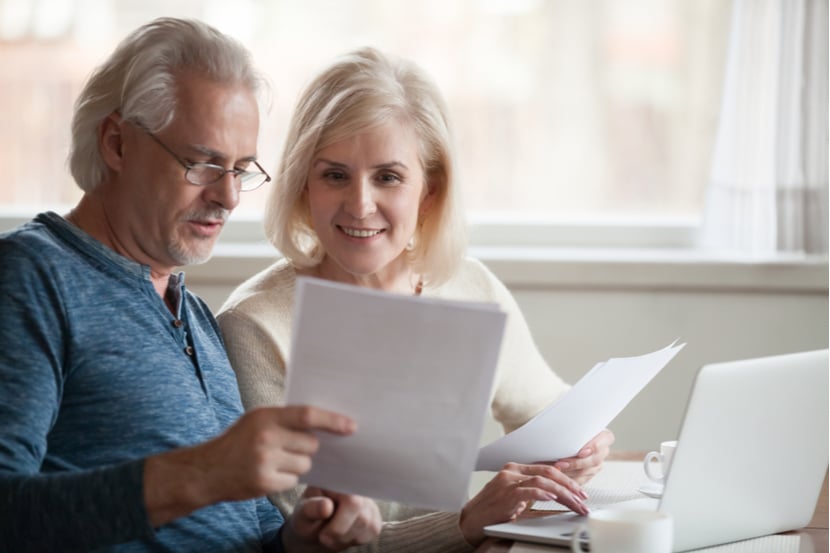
pixel 121 427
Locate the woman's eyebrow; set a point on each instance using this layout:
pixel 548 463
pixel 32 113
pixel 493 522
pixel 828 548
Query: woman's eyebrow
pixel 390 165
pixel 384 165
pixel 395 164
pixel 322 160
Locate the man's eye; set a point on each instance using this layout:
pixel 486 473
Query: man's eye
pixel 205 168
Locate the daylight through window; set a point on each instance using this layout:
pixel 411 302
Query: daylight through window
pixel 561 109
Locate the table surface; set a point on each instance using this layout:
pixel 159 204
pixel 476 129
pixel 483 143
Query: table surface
pixel 814 536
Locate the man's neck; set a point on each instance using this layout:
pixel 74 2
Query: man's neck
pixel 91 216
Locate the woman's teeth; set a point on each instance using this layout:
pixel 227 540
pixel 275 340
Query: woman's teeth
pixel 358 233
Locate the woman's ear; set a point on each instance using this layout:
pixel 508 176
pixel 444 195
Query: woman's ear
pixel 111 140
pixel 305 207
pixel 429 197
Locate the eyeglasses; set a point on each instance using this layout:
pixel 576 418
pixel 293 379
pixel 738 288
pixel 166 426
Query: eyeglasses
pixel 203 174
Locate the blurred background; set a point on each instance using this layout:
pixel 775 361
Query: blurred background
pixel 561 108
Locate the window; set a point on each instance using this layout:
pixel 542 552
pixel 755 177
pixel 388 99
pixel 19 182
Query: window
pixel 562 109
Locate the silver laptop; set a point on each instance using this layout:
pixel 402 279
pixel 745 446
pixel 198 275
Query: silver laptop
pixel 750 461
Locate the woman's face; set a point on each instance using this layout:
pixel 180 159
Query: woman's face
pixel 364 195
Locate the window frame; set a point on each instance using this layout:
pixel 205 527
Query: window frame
pixel 606 256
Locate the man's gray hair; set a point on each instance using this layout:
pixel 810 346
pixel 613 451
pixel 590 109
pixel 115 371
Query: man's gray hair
pixel 139 81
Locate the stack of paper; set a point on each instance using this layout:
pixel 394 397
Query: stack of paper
pixel 414 373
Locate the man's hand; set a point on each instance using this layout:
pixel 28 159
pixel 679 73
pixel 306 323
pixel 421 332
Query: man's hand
pixel 329 521
pixel 264 452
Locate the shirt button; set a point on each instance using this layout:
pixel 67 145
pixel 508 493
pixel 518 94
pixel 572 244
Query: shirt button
pixel 178 323
pixel 189 350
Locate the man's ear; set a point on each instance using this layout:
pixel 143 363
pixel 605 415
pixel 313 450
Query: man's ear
pixel 111 140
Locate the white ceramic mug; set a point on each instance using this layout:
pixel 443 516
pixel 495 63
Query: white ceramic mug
pixel 664 457
pixel 626 531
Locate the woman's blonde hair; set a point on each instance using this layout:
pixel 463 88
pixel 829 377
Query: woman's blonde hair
pixel 358 92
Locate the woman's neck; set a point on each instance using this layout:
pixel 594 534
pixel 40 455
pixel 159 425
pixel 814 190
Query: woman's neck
pixel 402 280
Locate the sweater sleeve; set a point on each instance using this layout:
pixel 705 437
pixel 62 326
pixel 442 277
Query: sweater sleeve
pixel 66 511
pixel 256 357
pixel 525 383
pixel 270 525
pixel 438 532
pixel 73 511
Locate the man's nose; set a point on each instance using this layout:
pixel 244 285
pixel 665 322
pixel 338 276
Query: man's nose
pixel 225 192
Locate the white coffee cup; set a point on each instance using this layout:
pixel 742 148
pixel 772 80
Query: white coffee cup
pixel 664 457
pixel 626 531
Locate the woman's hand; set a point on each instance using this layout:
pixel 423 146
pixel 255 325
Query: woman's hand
pixel 511 491
pixel 330 521
pixel 588 462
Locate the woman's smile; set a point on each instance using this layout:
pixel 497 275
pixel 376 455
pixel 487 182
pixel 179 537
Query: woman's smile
pixel 360 233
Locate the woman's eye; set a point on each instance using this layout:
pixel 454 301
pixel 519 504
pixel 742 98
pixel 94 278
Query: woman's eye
pixel 334 176
pixel 389 178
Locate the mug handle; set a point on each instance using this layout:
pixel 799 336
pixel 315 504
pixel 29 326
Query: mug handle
pixel 576 543
pixel 652 456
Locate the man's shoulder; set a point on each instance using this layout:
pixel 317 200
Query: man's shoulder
pixel 33 232
pixel 31 242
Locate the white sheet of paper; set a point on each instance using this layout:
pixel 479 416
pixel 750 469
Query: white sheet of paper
pixel 415 373
pixel 580 414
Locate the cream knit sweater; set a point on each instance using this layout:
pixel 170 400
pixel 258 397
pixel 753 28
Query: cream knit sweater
pixel 256 325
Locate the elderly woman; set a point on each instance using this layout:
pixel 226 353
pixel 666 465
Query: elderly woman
pixel 365 194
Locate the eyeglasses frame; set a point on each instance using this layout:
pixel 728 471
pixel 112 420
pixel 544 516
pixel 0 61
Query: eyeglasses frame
pixel 190 166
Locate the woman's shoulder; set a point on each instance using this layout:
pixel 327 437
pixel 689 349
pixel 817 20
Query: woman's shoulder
pixel 472 281
pixel 272 289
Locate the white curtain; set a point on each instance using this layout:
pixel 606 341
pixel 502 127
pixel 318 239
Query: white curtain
pixel 768 189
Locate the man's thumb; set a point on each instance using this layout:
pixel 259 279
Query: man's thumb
pixel 317 508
